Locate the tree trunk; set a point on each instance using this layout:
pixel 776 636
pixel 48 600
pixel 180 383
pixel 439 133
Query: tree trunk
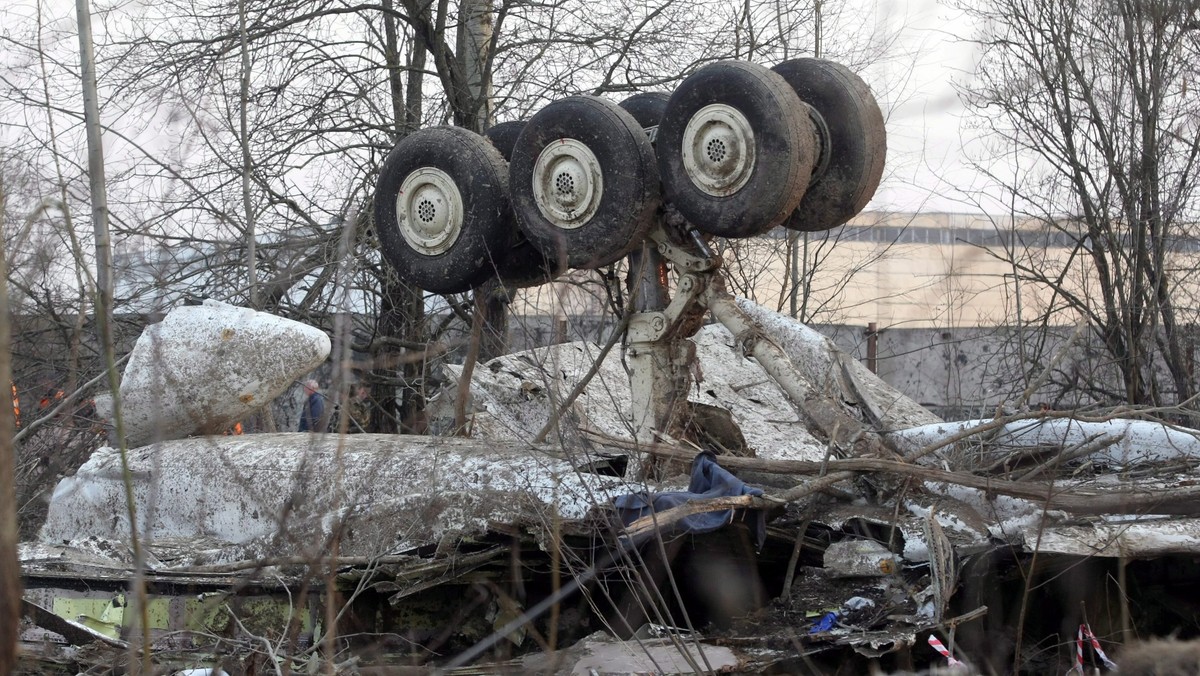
pixel 10 572
pixel 397 387
pixel 474 42
pixel 397 381
pixel 247 162
pixel 492 303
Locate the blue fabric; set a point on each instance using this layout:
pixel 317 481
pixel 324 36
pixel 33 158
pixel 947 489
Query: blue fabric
pixel 709 480
pixel 827 622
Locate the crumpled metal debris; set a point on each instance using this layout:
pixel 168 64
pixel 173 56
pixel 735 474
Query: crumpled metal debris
pixel 860 558
pixel 385 492
pixel 204 367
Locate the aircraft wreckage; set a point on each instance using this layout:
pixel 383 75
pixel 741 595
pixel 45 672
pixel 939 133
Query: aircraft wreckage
pixel 693 496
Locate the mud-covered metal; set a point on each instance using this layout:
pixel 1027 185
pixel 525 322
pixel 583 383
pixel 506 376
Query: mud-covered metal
pixel 204 367
pixel 718 149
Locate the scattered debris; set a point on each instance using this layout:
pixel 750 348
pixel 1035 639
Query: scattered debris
pixel 801 516
pixel 859 558
pixel 672 655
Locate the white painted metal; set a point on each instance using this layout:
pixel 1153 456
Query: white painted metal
pixel 386 493
pixel 204 367
pixel 567 183
pixel 429 211
pixel 718 149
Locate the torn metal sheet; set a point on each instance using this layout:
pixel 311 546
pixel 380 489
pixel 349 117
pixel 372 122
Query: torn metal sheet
pixel 1142 538
pixel 180 621
pixel 1134 441
pixel 860 558
pixel 204 367
pixel 512 397
pixel 963 528
pixel 286 494
pixel 72 631
pixel 825 363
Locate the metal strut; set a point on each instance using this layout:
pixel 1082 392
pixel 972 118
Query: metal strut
pixel 659 353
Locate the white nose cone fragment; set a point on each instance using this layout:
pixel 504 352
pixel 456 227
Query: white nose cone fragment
pixel 204 367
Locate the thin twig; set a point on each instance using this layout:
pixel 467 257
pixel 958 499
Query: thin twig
pixel 791 569
pixel 1089 446
pixel 587 378
pixel 66 401
pixel 464 380
pixel 1054 362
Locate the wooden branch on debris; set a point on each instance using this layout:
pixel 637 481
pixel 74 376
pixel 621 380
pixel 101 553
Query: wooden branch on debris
pixel 669 517
pixel 1177 501
pixel 1093 444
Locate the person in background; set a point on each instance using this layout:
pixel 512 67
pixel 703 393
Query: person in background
pixel 314 407
pixel 360 409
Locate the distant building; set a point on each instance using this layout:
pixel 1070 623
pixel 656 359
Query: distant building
pixel 893 269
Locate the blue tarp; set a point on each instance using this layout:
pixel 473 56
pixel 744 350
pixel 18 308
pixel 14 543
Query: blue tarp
pixel 825 623
pixel 709 480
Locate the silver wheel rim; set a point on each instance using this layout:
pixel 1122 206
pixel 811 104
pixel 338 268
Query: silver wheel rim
pixel 567 183
pixel 718 149
pixel 429 211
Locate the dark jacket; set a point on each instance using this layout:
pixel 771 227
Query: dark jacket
pixel 310 417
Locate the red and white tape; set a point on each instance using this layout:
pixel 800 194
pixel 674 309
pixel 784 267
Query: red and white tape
pixel 937 645
pixel 1086 632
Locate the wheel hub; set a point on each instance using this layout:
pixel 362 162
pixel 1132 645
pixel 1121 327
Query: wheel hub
pixel 718 149
pixel 567 183
pixel 429 211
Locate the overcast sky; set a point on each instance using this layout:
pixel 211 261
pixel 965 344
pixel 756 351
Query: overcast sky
pixel 926 167
pixel 926 135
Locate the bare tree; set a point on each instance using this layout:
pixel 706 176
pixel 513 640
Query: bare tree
pixel 1091 99
pixel 268 122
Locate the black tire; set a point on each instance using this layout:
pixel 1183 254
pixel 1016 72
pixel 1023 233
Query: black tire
pixel 524 264
pixel 743 186
pixel 462 254
pixel 570 216
pixel 857 143
pixel 647 107
pixel 504 136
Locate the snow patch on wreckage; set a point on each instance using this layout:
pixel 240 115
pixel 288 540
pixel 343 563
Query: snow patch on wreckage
pixel 927 530
pixel 381 493
pixel 956 519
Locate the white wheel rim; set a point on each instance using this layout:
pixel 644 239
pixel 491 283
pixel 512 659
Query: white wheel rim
pixel 718 149
pixel 429 211
pixel 567 183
